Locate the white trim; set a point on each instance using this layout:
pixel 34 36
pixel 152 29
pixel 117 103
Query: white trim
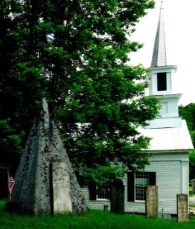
pixel 101 199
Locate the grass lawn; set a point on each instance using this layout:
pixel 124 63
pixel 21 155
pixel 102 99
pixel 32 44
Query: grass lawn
pixel 92 220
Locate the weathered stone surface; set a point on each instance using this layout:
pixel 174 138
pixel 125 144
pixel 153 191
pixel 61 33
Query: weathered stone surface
pixel 182 208
pixel 151 201
pixel 61 188
pixel 33 189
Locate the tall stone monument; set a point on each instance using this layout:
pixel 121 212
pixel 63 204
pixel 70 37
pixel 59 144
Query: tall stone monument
pixel 45 180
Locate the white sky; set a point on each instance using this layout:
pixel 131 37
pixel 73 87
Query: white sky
pixel 179 19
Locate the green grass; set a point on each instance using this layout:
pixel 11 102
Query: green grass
pixel 92 220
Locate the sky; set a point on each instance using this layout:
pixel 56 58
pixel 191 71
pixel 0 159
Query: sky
pixel 179 22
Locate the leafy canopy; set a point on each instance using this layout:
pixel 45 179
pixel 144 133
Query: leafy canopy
pixel 77 55
pixel 188 113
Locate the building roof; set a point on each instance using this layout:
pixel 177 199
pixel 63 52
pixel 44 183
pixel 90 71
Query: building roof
pixel 159 51
pixel 169 139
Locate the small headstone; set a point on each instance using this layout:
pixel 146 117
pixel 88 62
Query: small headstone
pixel 61 188
pixel 152 201
pixel 193 185
pixel 182 208
pixel 117 197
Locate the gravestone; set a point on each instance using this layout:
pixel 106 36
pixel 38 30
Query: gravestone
pixel 151 201
pixel 34 192
pixel 117 196
pixel 182 208
pixel 193 185
pixel 61 188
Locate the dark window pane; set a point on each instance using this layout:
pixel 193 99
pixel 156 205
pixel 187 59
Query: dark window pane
pixel 162 81
pixel 141 181
pixel 92 191
pixel 103 191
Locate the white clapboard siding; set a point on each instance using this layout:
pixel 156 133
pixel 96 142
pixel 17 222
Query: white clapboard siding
pixel 169 179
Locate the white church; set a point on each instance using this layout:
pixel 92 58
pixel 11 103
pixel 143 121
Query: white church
pixel 169 147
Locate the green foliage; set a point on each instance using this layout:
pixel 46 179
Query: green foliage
pixel 104 174
pixel 192 134
pixel 21 80
pixel 188 113
pixel 192 164
pixel 76 54
pixel 10 145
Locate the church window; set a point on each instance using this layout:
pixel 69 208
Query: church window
pixel 99 192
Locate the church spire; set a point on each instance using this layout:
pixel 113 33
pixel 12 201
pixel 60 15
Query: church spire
pixel 161 82
pixel 159 51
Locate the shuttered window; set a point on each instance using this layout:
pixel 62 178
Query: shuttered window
pixel 136 184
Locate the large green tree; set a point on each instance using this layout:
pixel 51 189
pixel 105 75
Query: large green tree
pixel 188 113
pixel 21 79
pixel 10 138
pixel 76 54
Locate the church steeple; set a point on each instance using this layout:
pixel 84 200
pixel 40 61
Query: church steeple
pixel 161 80
pixel 161 73
pixel 159 52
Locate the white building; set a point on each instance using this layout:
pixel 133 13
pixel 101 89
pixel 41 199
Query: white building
pixel 169 147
